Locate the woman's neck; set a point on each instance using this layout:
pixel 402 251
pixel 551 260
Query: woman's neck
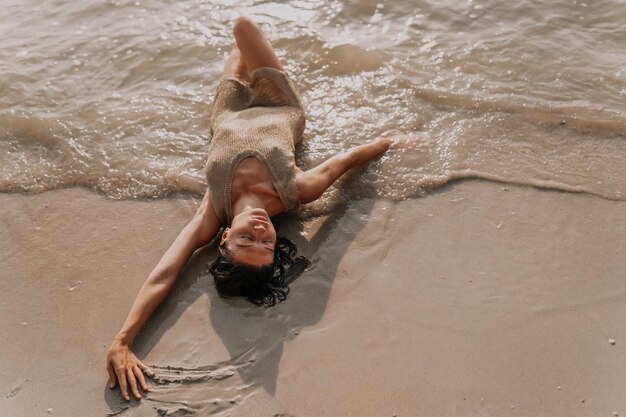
pixel 269 202
pixel 249 201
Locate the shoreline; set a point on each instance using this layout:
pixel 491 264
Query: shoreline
pixel 476 299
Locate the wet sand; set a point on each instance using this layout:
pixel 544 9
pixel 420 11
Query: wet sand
pixel 479 299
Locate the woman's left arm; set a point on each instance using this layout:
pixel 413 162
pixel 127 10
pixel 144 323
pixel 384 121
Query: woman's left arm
pixel 312 183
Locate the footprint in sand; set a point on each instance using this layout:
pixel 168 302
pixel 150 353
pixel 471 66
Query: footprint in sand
pixel 16 389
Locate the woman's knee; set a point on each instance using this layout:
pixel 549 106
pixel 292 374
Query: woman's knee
pixel 246 27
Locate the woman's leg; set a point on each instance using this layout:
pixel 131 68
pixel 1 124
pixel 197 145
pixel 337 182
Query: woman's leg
pixel 235 65
pixel 256 50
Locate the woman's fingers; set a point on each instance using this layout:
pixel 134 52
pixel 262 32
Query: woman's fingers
pixel 121 377
pixel 145 369
pixel 385 142
pixel 112 376
pixel 139 375
pixel 126 371
pixel 132 381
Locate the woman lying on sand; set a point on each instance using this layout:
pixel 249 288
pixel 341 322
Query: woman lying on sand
pixel 257 119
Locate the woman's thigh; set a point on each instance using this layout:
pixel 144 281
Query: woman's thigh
pixel 235 66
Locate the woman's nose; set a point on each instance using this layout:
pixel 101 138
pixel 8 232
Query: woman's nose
pixel 259 227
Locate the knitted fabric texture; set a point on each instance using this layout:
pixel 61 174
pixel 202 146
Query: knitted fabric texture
pixel 263 119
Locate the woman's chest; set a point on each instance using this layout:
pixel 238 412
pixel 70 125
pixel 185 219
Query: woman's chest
pixel 251 175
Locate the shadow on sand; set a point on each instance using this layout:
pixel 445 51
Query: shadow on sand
pixel 254 336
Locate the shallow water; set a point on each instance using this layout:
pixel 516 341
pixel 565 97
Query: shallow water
pixel 115 95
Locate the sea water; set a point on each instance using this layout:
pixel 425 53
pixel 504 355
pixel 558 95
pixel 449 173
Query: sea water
pixel 115 95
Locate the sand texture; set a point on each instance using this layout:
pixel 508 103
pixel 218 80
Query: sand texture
pixel 477 300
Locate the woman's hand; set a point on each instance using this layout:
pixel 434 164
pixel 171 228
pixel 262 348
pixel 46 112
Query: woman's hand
pixel 125 369
pixel 365 153
pixel 383 143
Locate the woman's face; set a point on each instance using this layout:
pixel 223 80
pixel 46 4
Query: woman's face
pixel 251 238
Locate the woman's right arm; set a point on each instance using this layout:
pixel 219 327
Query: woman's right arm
pixel 123 366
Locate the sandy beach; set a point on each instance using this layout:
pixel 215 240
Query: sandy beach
pixel 480 299
pixel 478 268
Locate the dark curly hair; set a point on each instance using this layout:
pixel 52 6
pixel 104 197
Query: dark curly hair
pixel 265 285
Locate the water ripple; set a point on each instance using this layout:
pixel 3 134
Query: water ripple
pixel 115 95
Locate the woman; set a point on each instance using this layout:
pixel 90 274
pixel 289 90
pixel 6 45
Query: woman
pixel 257 119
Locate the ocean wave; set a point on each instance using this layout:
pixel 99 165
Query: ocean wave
pixel 120 104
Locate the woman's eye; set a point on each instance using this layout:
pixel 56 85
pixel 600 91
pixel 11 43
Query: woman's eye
pixel 246 237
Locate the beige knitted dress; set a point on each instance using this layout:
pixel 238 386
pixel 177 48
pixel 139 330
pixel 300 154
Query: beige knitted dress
pixel 263 119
